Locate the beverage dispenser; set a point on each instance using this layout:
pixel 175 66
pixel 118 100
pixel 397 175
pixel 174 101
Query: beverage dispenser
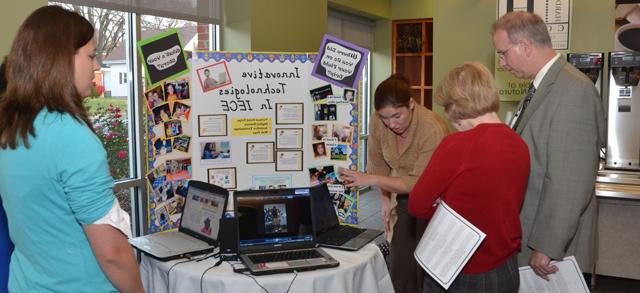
pixel 591 64
pixel 623 126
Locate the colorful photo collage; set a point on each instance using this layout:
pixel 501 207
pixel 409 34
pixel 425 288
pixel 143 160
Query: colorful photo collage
pixel 330 141
pixel 169 106
pixel 168 110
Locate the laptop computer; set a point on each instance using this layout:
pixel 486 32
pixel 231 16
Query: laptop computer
pixel 328 229
pixel 198 228
pixel 275 231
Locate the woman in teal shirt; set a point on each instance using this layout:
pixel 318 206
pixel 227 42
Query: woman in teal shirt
pixel 54 178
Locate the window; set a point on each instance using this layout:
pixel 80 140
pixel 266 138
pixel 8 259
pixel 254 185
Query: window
pixel 117 112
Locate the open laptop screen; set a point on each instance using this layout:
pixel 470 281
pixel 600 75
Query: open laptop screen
pixel 280 218
pixel 325 212
pixel 204 207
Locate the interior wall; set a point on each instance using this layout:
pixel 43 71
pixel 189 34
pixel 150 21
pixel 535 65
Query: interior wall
pixel 379 9
pixel 410 9
pixel 235 32
pixel 288 25
pixel 11 16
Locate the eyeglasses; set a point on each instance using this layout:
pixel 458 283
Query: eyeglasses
pixel 503 54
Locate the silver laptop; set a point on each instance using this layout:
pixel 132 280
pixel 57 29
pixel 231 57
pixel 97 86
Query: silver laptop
pixel 198 228
pixel 275 231
pixel 328 229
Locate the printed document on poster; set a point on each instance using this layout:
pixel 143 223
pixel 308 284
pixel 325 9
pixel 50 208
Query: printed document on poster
pixel 568 279
pixel 447 245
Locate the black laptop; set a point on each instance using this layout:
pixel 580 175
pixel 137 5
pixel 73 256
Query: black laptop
pixel 328 229
pixel 198 229
pixel 275 231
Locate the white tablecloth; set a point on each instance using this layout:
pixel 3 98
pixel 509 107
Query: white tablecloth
pixel 360 271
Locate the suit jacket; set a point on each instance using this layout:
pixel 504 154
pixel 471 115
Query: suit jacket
pixel 564 128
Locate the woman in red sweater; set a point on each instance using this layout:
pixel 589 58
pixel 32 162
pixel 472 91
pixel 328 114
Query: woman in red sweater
pixel 481 172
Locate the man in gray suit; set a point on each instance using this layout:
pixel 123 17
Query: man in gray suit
pixel 561 120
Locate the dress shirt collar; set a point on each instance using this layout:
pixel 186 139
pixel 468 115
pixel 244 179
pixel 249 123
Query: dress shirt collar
pixel 538 79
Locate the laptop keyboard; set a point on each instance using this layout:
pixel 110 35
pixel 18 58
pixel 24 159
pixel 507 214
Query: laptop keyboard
pixel 285 255
pixel 340 236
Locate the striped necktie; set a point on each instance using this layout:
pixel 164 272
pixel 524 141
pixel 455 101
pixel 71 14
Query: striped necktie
pixel 527 99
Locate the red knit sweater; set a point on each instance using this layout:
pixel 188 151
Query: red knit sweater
pixel 482 174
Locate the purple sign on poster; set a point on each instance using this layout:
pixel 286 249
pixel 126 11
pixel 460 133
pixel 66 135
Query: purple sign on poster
pixel 339 62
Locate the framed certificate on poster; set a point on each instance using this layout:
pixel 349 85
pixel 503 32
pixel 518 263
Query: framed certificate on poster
pixel 260 152
pixel 289 161
pixel 212 125
pixel 289 138
pixel 289 113
pixel 223 177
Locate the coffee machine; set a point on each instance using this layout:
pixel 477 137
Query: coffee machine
pixel 591 64
pixel 623 126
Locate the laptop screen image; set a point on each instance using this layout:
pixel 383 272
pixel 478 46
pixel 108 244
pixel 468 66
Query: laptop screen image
pixel 202 212
pixel 274 219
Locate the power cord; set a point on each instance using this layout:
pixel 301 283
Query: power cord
pixel 295 275
pixel 294 278
pixel 169 271
pixel 209 268
pixel 189 259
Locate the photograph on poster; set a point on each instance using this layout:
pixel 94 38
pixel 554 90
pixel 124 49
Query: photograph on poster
pixel 342 132
pixel 289 138
pixel 320 94
pixel 161 113
pixel 223 177
pixel 319 150
pixel 213 76
pixel 264 182
pixel 339 152
pixel 289 113
pixel 275 218
pixel 173 128
pixel 178 169
pixel 181 111
pixel 181 143
pixel 181 187
pixel 321 131
pixel 289 161
pixel 157 172
pixel 322 174
pixel 215 152
pixel 349 95
pixel 260 152
pixel 162 216
pixel 154 97
pixel 344 204
pixel 325 112
pixel 176 90
pixel 165 191
pixel 162 146
pixel 212 125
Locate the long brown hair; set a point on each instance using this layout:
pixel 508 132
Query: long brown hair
pixel 40 72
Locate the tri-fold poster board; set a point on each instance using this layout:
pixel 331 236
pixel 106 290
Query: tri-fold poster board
pixel 253 121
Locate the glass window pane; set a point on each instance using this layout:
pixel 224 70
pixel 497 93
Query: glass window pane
pixel 108 106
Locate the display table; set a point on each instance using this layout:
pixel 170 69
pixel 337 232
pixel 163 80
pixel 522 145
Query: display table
pixel 360 271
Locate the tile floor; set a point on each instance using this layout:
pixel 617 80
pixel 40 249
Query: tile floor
pixel 370 218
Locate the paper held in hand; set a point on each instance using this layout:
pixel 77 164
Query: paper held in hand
pixel 447 245
pixel 568 279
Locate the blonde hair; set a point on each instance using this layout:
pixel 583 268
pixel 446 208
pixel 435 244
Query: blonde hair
pixel 467 91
